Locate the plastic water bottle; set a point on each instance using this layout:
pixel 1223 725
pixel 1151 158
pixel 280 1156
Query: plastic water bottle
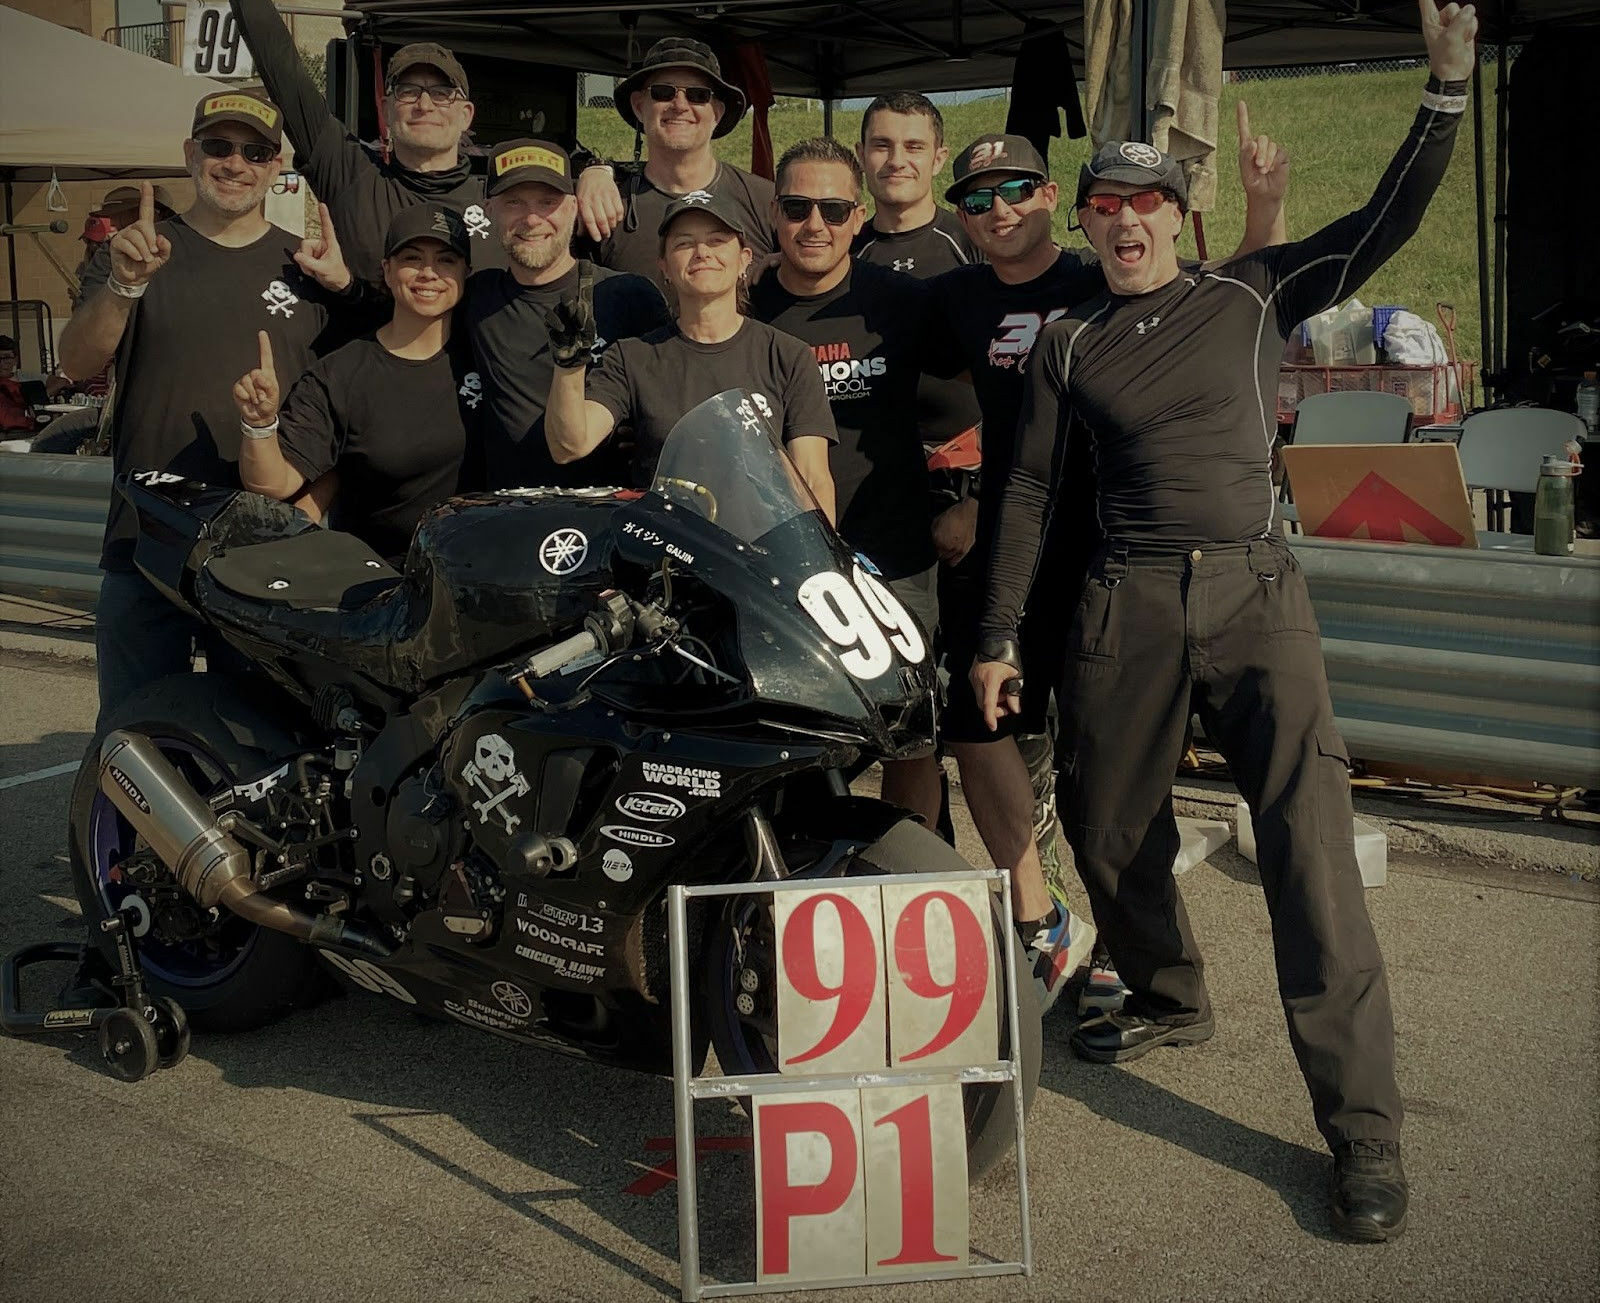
pixel 1554 520
pixel 1589 404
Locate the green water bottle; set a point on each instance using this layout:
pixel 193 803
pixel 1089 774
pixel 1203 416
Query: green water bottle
pixel 1554 526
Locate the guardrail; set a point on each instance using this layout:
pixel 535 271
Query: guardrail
pixel 1482 661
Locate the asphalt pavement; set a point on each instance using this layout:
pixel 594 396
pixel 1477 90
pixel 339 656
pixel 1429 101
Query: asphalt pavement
pixel 355 1152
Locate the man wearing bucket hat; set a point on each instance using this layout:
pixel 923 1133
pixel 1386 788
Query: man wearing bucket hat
pixel 1194 603
pixel 427 108
pixel 679 100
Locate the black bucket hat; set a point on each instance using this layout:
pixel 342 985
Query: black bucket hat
pixel 681 52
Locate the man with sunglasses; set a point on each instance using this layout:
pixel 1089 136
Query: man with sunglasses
pixel 1196 603
pixel 177 304
pixel 992 314
pixel 680 101
pixel 427 108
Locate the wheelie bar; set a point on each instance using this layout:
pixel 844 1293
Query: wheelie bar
pixel 137 1034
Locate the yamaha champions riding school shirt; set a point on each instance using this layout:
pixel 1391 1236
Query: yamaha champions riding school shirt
pixel 1174 391
pixel 188 339
pixel 362 190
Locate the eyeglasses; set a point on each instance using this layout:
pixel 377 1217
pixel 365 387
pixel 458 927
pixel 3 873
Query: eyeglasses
pixel 664 93
pixel 1014 192
pixel 409 92
pixel 1143 202
pixel 222 147
pixel 797 208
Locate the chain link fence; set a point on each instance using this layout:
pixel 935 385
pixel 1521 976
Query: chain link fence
pixel 1488 56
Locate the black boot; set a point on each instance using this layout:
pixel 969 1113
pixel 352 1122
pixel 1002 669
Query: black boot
pixel 1370 1196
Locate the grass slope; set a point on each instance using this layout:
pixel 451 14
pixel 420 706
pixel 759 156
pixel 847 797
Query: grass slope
pixel 1341 131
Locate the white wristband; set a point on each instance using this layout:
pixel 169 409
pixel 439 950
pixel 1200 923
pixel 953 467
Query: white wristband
pixel 126 291
pixel 1444 103
pixel 258 431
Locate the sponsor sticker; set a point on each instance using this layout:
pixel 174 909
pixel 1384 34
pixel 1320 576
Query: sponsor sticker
pixel 573 969
pixel 536 931
pixel 513 999
pixel 267 114
pixel 563 917
pixel 617 865
pixel 645 838
pixel 697 782
pixel 482 1015
pixel 69 1018
pixel 530 156
pixel 126 784
pixel 651 807
pixel 563 551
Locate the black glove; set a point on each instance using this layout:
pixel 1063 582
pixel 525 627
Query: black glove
pixel 571 323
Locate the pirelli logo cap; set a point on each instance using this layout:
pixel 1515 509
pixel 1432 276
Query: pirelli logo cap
pixel 246 107
pixel 516 161
pixel 427 222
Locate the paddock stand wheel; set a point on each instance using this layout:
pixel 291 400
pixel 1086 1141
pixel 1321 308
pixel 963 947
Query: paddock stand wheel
pixel 128 1045
pixel 172 1032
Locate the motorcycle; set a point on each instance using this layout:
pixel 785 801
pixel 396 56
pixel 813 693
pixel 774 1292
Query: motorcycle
pixel 468 787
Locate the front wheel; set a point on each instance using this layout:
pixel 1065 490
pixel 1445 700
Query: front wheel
pixel 740 965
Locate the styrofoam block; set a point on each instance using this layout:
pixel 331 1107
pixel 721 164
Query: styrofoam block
pixel 1372 847
pixel 1199 837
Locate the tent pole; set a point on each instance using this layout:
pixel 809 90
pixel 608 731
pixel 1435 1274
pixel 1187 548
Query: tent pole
pixel 1139 52
pixel 1481 225
pixel 1501 116
pixel 11 267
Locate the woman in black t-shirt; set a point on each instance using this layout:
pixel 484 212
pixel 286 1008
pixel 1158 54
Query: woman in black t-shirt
pixel 649 383
pixel 388 413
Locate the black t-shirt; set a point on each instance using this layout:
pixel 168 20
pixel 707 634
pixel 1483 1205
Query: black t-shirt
pixel 395 429
pixel 1175 389
pixel 511 346
pixel 636 247
pixel 866 334
pixel 944 407
pixel 652 381
pixel 361 189
pixel 188 339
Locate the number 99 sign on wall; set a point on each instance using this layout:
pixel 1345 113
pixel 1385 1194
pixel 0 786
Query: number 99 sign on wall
pixel 902 976
pixel 213 46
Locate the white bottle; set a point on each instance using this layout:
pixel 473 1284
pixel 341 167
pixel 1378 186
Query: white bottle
pixel 1589 404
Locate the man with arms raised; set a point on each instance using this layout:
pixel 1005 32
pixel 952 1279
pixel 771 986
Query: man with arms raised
pixel 1195 603
pixel 533 208
pixel 178 305
pixel 427 107
pixel 680 101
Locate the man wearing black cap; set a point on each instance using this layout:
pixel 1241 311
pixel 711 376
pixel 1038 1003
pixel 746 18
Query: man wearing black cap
pixel 532 206
pixel 993 314
pixel 681 102
pixel 1195 603
pixel 168 301
pixel 427 107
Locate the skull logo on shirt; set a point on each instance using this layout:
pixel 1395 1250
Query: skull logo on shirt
pixel 477 221
pixel 471 390
pixel 279 298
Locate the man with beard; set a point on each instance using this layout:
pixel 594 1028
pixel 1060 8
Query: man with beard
pixel 178 304
pixel 1195 603
pixel 427 108
pixel 680 101
pixel 533 209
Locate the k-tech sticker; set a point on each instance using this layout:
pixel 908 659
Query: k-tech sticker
pixel 864 618
pixel 643 837
pixel 651 807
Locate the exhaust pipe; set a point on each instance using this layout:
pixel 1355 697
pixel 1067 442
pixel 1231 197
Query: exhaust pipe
pixel 209 864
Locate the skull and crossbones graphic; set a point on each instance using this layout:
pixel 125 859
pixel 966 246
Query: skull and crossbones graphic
pixel 471 390
pixel 477 221
pixel 493 761
pixel 280 298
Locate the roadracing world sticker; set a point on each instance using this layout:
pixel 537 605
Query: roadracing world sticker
pixel 697 782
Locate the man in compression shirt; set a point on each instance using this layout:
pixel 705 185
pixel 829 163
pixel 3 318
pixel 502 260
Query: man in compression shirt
pixel 1196 603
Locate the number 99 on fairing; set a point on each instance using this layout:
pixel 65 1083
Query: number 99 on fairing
pixel 864 619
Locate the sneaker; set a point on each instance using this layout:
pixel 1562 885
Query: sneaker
pixel 1056 951
pixel 1103 991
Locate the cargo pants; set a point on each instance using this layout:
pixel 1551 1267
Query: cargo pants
pixel 1227 632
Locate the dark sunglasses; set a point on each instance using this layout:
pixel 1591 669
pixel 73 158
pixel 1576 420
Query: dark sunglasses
pixel 1143 202
pixel 797 208
pixel 1014 192
pixel 222 147
pixel 664 93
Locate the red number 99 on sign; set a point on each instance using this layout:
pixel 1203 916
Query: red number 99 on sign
pixel 966 960
pixel 835 934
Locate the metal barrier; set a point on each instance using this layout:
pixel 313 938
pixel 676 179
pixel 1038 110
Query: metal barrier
pixel 52 518
pixel 1468 660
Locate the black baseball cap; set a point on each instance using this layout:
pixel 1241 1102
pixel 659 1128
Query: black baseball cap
pixel 681 52
pixel 250 108
pixel 995 152
pixel 516 161
pixel 127 196
pixel 703 201
pixel 1134 163
pixel 427 54
pixel 427 222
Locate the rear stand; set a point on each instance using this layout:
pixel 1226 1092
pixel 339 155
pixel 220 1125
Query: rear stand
pixel 138 1033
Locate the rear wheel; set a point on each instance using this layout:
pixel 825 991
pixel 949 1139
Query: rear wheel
pixel 740 963
pixel 226 973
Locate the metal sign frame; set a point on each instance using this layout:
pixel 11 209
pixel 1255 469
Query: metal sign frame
pixel 687 1087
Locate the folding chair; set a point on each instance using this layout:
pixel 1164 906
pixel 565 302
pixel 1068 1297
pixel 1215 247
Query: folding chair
pixel 1501 451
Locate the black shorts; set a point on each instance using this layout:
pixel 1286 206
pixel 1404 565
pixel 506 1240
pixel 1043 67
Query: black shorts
pixel 919 594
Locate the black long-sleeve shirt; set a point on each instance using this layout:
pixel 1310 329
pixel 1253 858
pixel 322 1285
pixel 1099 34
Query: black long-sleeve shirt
pixel 1175 389
pixel 362 190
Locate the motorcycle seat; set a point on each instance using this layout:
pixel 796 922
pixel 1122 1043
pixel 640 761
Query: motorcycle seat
pixel 319 570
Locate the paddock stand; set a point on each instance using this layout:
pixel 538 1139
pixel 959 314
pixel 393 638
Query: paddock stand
pixel 138 1033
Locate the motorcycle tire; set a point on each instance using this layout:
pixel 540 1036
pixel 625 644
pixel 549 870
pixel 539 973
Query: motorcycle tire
pixel 908 847
pixel 240 975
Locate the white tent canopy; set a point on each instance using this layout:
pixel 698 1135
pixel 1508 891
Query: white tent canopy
pixel 81 109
